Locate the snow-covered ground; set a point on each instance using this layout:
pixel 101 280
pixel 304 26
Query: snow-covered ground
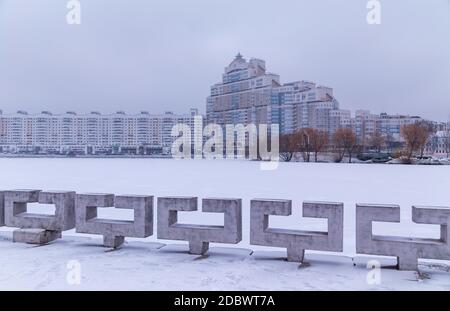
pixel 164 265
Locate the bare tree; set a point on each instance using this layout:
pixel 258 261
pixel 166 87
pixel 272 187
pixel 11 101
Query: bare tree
pixel 391 142
pixel 288 147
pixel 416 137
pixel 338 151
pixel 377 141
pixel 344 140
pixel 319 141
pixel 303 137
pixel 311 142
pixel 427 132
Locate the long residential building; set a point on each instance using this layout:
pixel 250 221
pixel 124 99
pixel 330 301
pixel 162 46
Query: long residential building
pixel 366 124
pixel 92 133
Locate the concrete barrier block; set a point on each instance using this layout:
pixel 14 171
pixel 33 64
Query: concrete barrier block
pixel 17 215
pixel 114 231
pixel 64 202
pixel 407 250
pixel 297 241
pixel 39 228
pixel 199 236
pixel 16 205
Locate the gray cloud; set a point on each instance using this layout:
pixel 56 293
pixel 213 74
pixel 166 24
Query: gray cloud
pixel 164 54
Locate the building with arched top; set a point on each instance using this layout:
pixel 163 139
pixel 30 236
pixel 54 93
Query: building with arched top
pixel 248 94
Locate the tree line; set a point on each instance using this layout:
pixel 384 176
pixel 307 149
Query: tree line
pixel 310 143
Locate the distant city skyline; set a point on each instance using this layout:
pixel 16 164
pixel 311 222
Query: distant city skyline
pixel 165 55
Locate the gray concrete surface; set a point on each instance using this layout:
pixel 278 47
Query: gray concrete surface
pixel 39 228
pixel 199 236
pixel 407 250
pixel 35 236
pixel 114 231
pixel 297 241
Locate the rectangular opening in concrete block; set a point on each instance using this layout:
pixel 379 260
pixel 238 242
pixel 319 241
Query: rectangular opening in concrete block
pixel 297 222
pixel 407 229
pixel 42 209
pixel 201 218
pixel 112 213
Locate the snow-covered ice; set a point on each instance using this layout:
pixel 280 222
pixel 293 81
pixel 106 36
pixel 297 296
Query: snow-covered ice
pixel 164 265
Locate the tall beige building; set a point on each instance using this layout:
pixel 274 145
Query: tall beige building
pixel 249 94
pixel 244 96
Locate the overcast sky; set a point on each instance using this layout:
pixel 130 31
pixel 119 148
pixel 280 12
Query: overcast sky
pixel 160 55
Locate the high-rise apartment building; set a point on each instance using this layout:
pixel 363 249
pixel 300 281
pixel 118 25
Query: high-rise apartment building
pixel 248 94
pixel 245 94
pixel 390 125
pixel 365 124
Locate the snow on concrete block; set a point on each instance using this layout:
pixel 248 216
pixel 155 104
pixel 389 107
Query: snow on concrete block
pixel 296 241
pixel 114 231
pixel 407 250
pixel 43 228
pixel 199 236
pixel 2 208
